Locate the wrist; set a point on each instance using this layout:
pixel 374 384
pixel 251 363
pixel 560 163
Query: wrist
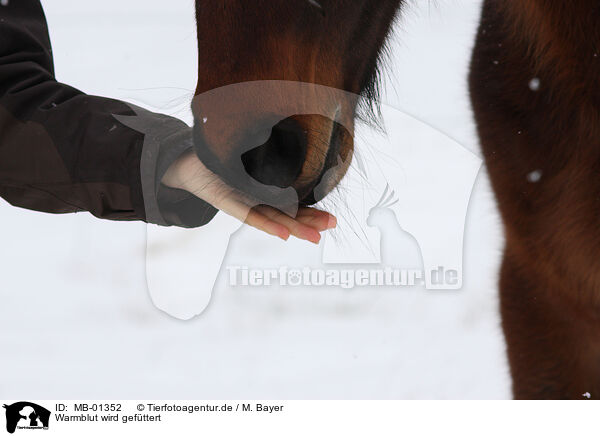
pixel 181 171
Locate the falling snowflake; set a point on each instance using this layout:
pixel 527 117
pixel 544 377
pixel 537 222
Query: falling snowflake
pixel 534 176
pixel 534 84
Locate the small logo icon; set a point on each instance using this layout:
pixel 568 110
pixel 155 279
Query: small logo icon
pixel 26 416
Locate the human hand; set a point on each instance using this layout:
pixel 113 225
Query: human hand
pixel 190 174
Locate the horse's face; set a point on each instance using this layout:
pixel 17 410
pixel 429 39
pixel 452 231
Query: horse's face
pixel 286 134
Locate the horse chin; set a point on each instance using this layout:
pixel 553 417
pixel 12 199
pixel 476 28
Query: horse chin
pixel 337 162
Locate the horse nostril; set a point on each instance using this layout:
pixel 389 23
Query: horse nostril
pixel 278 161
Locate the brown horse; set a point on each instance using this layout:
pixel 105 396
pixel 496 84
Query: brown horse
pixel 535 86
pixel 535 91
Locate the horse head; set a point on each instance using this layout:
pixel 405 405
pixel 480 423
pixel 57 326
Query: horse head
pixel 280 84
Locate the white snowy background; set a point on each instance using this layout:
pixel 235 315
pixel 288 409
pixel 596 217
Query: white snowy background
pixel 76 320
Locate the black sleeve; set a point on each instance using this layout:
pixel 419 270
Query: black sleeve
pixel 64 151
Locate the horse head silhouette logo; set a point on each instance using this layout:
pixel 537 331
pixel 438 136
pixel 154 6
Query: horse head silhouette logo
pixel 26 415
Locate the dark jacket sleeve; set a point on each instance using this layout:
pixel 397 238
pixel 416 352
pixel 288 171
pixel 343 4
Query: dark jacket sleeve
pixel 64 151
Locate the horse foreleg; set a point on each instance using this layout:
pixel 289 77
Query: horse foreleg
pixel 553 347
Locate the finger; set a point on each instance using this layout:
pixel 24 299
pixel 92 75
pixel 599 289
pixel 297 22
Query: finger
pixel 262 217
pixel 231 202
pixel 296 228
pixel 265 224
pixel 317 219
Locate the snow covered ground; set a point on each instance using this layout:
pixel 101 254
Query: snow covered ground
pixel 75 314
